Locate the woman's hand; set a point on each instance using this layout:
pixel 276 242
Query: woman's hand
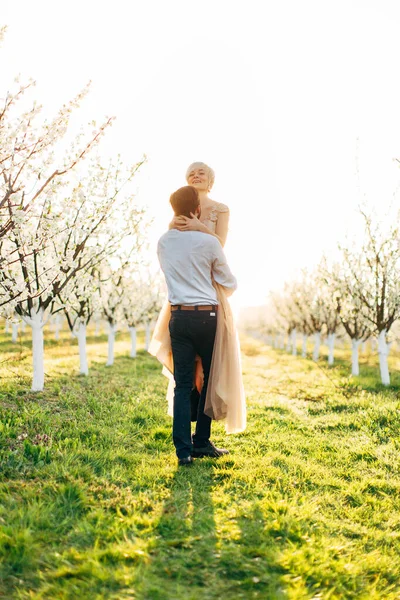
pixel 187 224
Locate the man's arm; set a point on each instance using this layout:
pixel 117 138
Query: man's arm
pixel 221 271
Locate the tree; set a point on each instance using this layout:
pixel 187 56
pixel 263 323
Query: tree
pixel 376 284
pixel 330 308
pixel 345 293
pixel 308 299
pixel 277 319
pixel 29 168
pixel 64 238
pixel 80 300
pixel 141 302
pixel 289 317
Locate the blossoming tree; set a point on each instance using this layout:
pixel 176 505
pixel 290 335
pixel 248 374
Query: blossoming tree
pixel 61 229
pixel 375 284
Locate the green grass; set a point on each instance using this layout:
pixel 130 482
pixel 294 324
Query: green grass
pixel 92 505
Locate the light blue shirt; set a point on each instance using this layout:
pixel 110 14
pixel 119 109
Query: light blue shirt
pixel 189 259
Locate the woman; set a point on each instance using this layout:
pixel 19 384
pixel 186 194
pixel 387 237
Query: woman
pixel 214 215
pixel 225 394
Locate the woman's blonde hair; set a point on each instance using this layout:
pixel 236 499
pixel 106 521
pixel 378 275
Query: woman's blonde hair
pixel 198 165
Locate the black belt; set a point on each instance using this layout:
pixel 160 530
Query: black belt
pixel 201 307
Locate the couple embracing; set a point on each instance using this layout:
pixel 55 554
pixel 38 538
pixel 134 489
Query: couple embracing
pixel 195 337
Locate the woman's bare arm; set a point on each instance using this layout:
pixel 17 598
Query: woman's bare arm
pixel 221 229
pixel 194 224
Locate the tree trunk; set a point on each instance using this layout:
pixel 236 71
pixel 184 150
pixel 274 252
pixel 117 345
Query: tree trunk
pixel 355 368
pixel 14 328
pixel 7 327
pixel 383 358
pixel 36 322
pixel 132 331
pixel 331 346
pixel 81 335
pixel 294 342
pixel 304 346
pixel 57 326
pixel 112 330
pixel 148 332
pixel 289 342
pixel 317 345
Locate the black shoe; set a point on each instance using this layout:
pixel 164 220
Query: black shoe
pixel 208 450
pixel 185 462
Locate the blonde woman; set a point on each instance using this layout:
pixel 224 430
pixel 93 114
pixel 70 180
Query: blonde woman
pixel 214 217
pixel 225 395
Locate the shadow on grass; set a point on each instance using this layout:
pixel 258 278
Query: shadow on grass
pixel 199 552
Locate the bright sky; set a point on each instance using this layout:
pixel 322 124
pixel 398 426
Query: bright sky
pixel 273 95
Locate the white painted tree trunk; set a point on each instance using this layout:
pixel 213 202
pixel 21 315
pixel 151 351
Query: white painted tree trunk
pixel 148 332
pixel 355 367
pixel 83 363
pixel 304 346
pixel 7 327
pixel 383 351
pixel 14 335
pixel 317 345
pixel 57 326
pixel 331 347
pixel 36 322
pixel 275 342
pixel 132 331
pixel 294 342
pixel 112 330
pixel 289 342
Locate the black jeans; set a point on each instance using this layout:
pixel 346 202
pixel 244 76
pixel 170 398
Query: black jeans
pixel 192 332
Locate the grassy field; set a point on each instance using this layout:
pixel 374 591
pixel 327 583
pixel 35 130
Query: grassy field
pixel 92 505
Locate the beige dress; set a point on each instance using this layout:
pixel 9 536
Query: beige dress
pixel 225 393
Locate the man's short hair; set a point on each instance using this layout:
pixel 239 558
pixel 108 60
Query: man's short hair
pixel 185 201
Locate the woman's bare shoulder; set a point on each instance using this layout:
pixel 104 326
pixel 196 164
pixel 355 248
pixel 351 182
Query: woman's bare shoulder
pixel 220 207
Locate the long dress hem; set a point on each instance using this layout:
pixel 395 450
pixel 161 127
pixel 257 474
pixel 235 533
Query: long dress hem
pixel 225 397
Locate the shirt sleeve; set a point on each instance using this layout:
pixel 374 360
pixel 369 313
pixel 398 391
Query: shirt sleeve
pixel 220 269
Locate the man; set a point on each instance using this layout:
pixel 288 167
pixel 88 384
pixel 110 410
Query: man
pixel 189 260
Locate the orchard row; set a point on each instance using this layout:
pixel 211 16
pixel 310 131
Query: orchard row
pixel 72 235
pixel 358 296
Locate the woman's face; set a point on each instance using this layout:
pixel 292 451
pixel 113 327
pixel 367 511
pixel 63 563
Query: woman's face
pixel 199 179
